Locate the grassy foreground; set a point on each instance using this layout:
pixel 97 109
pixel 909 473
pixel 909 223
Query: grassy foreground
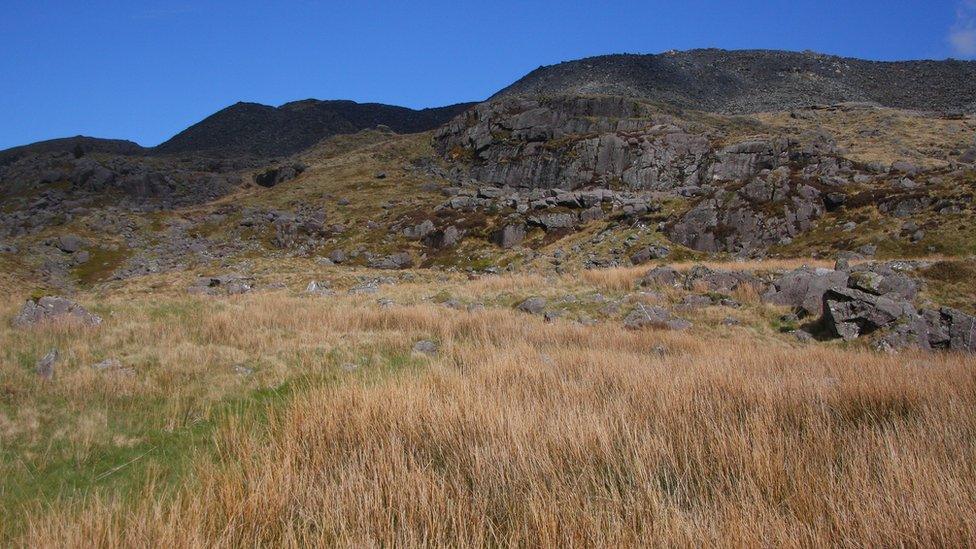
pixel 275 419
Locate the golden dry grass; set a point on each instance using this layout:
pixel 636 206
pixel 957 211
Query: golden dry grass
pixel 525 433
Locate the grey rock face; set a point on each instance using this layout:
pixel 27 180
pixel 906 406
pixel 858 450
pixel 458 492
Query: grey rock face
pixel 48 309
pixel 643 149
pixel 741 223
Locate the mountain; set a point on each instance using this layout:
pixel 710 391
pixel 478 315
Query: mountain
pixel 261 130
pixel 751 81
pixel 79 145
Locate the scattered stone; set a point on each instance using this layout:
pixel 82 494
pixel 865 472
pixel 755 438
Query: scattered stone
pixel 337 256
pixel 45 366
pixel 655 317
pixel 550 316
pixel 53 309
pixel 107 364
pixel 316 288
pixel 425 346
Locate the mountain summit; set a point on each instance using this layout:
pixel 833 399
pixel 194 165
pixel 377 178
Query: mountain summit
pixel 260 130
pixel 750 81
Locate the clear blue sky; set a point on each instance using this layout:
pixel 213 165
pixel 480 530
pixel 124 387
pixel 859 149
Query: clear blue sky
pixel 144 70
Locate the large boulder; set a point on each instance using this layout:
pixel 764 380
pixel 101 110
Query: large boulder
pixel 47 309
pixel 443 238
pixel 510 235
pixel 804 288
pixel 532 305
pixel 850 313
pixel 951 329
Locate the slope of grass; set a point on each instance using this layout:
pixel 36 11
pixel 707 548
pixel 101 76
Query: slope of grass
pixel 516 432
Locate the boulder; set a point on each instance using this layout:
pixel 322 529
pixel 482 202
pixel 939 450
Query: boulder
pixel 804 288
pixel 71 243
pixel 554 221
pixel 850 313
pixel 279 174
pixel 401 260
pixel 509 235
pixel 661 276
pixel 420 230
pixel 425 346
pixel 648 253
pixel 48 309
pixel 532 305
pixel 951 329
pixel 443 238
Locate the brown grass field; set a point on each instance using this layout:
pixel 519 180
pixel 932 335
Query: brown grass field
pixel 516 432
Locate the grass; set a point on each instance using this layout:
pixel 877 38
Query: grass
pixel 517 432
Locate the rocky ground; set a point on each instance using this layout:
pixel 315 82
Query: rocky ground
pixel 555 185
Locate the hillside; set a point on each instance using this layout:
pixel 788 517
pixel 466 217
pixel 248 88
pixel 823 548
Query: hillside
pixel 260 130
pixel 609 307
pixel 750 81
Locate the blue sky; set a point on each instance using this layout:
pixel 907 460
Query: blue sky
pixel 144 70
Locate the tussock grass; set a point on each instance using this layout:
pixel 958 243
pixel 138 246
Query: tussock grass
pixel 520 432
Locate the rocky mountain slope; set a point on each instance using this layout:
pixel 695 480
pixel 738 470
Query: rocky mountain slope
pixel 551 184
pixel 263 131
pixel 758 80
